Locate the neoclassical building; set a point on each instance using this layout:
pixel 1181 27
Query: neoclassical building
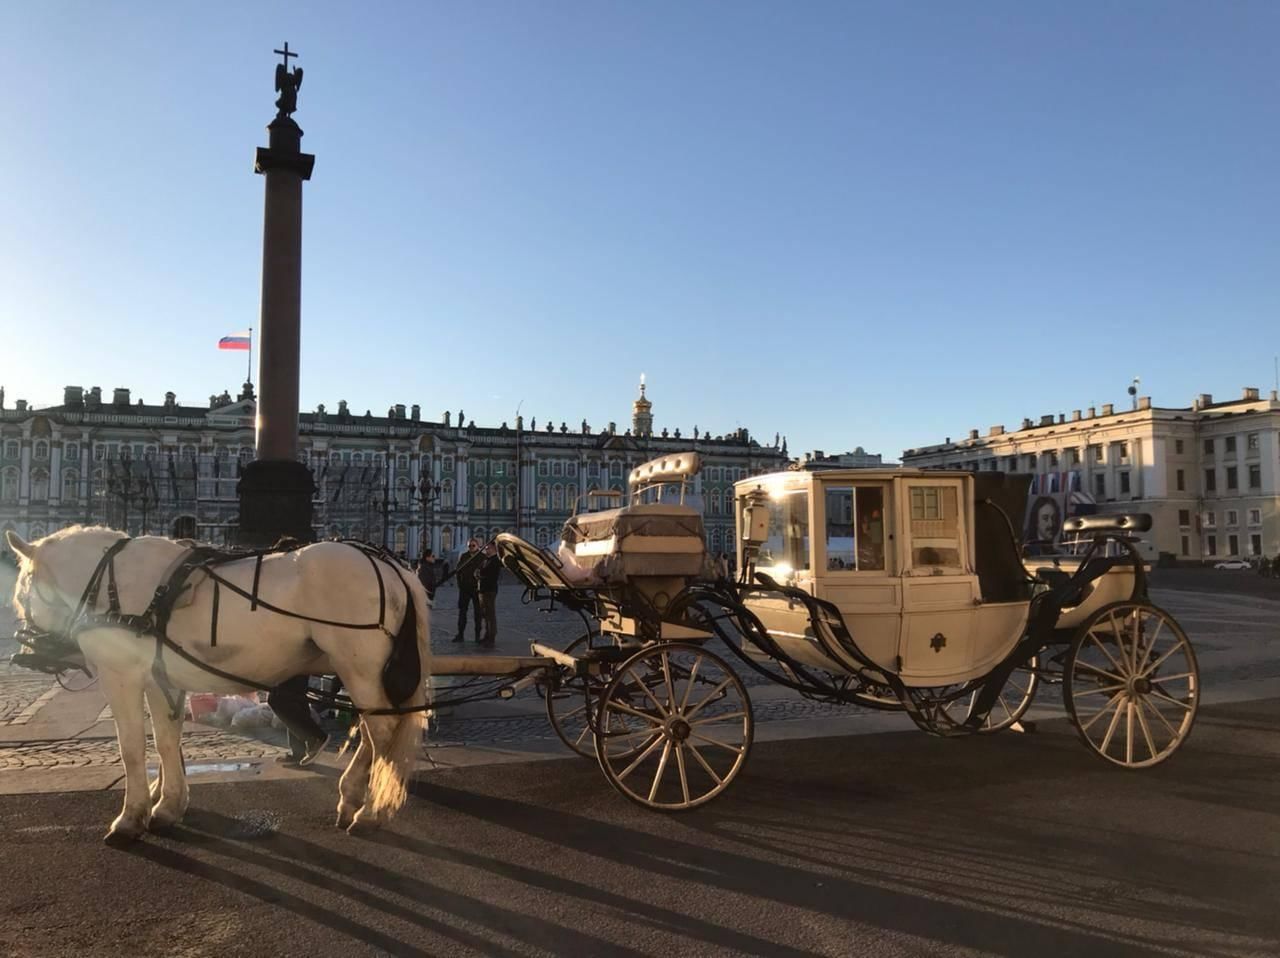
pixel 1209 473
pixel 396 479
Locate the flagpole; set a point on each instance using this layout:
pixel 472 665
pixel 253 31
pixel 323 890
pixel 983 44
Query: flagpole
pixel 248 376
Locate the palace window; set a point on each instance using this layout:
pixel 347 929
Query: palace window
pixel 557 497
pixel 70 484
pixel 1232 476
pixel 480 467
pixel 446 493
pixel 448 466
pixel 1184 517
pixel 1210 519
pixel 40 485
pixel 615 469
pixel 1211 480
pixel 571 469
pixel 1255 476
pixel 1177 446
pixel 543 496
pixel 40 451
pixel 557 468
pixel 477 496
pixel 511 499
pixel 1255 545
pixel 1255 517
pixel 1251 442
pixel 1211 545
pixel 1233 517
pixel 71 452
pixel 495 498
pixel 1124 483
pixel 400 543
pixel 1231 444
pixel 1233 545
pixel 11 449
pixel 1208 447
pixel 9 485
pixel 1100 485
pixel 1180 479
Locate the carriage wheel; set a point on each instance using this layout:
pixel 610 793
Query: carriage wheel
pixel 1012 703
pixel 573 702
pixel 675 727
pixel 1131 684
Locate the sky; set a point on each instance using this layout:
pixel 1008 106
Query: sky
pixel 872 224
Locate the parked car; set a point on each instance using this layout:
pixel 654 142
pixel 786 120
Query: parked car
pixel 1232 564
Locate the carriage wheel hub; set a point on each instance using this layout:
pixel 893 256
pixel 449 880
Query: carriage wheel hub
pixel 1140 686
pixel 679 730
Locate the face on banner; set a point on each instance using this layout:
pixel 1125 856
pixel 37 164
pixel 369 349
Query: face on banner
pixel 1043 524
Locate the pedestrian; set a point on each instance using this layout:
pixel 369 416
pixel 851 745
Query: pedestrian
pixel 427 572
pixel 468 564
pixel 487 581
pixel 722 566
pixel 306 738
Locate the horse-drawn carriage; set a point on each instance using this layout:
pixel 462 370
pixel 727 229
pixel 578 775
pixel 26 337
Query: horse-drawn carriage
pixel 891 589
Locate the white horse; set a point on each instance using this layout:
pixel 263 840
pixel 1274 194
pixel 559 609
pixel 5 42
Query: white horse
pixel 328 581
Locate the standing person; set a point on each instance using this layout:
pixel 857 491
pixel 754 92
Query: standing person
pixel 427 572
pixel 289 701
pixel 487 580
pixel 467 597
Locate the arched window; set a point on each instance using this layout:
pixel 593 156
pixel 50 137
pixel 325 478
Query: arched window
pixel 557 497
pixel 511 498
pixel 70 484
pixel 402 462
pixel 400 543
pixel 446 539
pixel 713 540
pixel 40 452
pixel 557 468
pixel 39 485
pixel 71 452
pixel 615 469
pixel 543 493
pixel 11 449
pixel 357 457
pixel 446 494
pixel 335 456
pixel 477 496
pixel 9 485
pixel 542 467
pixel 571 495
pixel 495 498
pixel 403 492
pixel 571 469
pixel 480 533
pixel 544 538
pixel 714 502
pixel 37 531
pixel 188 452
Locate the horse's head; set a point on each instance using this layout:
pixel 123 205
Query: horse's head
pixel 53 573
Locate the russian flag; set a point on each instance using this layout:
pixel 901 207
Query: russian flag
pixel 236 341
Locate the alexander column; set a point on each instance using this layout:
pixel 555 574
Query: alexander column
pixel 275 489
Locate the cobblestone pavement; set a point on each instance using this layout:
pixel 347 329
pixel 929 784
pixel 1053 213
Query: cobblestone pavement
pixel 1236 636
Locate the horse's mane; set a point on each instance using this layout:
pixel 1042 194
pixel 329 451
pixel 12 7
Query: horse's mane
pixel 26 568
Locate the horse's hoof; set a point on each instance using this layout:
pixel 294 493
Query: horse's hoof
pixel 120 837
pixel 344 821
pixel 361 826
pixel 162 824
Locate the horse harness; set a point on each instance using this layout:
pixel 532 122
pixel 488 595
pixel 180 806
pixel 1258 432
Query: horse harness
pixel 153 621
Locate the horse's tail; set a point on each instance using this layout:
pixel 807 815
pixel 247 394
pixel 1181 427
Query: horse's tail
pixel 392 770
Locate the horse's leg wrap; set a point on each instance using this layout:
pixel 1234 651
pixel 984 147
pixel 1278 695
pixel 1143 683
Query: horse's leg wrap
pixel 169 803
pixel 124 694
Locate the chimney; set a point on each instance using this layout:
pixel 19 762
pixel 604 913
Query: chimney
pixel 1061 418
pixel 21 405
pixel 1092 412
pixel 1144 402
pixel 415 412
pixel 1075 415
pixel 447 416
pixel 170 400
pixel 1046 420
pixel 947 441
pixel 73 397
pixel 399 410
pixel 94 402
pixel 1250 393
pixel 973 434
pixel 996 431
pixel 120 398
pixel 342 408
pixel 1275 395
pixel 1108 409
pixel 1026 424
pixel 1206 399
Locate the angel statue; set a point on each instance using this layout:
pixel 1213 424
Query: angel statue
pixel 287 83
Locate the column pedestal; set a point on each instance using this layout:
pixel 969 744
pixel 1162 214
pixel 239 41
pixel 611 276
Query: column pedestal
pixel 275 500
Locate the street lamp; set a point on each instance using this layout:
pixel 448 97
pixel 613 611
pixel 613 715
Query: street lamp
pixel 424 496
pixel 129 488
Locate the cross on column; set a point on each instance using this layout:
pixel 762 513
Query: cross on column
pixel 286 53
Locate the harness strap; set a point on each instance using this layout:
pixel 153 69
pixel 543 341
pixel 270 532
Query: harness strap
pixel 257 574
pixel 213 617
pixel 382 592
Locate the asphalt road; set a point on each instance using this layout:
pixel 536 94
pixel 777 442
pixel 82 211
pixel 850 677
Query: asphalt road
pixel 889 844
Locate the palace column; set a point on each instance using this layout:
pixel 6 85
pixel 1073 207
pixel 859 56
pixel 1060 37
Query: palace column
pixel 275 489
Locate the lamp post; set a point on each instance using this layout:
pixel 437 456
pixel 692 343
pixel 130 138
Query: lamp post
pixel 425 495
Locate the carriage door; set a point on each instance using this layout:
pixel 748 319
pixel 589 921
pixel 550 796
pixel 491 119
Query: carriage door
pixel 939 588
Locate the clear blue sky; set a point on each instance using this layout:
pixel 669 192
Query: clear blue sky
pixel 872 224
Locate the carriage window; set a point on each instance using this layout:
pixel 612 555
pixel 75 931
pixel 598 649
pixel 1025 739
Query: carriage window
pixel 787 548
pixel 855 528
pixel 935 527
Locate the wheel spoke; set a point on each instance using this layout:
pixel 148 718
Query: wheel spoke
pixel 645 688
pixel 1155 637
pixel 1093 668
pixel 622 707
pixel 662 767
pixel 693 674
pixel 640 758
pixel 1160 661
pixel 1146 730
pixel 1160 715
pixel 684 774
pixel 1111 729
pixel 718 718
pixel 1102 711
pixel 1174 678
pixel 572 712
pixel 735 749
pixel 1120 671
pixel 666 675
pixel 586 730
pixel 703 762
pixel 1100 690
pixel 1170 700
pixel 710 695
pixel 1128 732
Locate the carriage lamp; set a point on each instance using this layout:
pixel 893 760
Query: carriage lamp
pixel 755 517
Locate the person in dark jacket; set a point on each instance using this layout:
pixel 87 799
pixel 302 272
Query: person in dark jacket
pixel 427 572
pixel 467 598
pixel 306 738
pixel 487 584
